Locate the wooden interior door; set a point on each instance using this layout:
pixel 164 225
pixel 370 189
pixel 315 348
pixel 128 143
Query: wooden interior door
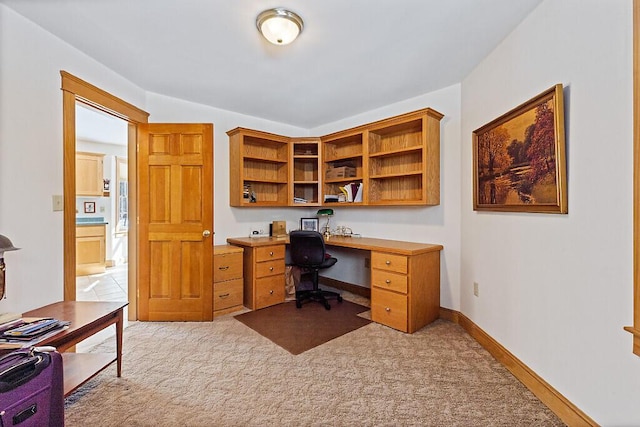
pixel 175 228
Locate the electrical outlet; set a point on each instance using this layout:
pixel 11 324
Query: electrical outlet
pixel 475 288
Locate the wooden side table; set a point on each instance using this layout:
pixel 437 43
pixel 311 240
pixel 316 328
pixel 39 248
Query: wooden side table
pixel 87 318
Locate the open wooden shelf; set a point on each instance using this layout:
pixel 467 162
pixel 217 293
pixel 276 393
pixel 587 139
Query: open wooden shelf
pixel 81 367
pixel 397 161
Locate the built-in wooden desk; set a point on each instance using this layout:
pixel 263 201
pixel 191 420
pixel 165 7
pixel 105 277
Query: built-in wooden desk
pixel 87 318
pixel 405 277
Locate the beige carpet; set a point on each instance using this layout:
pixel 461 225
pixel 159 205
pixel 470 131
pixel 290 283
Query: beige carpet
pixel 223 373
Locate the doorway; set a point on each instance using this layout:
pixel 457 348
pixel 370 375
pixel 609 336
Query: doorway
pixel 74 90
pixel 101 206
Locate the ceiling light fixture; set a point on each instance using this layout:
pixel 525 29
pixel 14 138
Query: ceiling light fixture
pixel 279 26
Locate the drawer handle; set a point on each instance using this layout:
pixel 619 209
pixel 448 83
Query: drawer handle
pixel 387 281
pixel 387 309
pixel 387 262
pixel 223 268
pixel 270 268
pixel 271 253
pixel 271 292
pixel 223 295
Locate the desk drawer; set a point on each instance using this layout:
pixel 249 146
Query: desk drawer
pixel 227 267
pixel 227 294
pixel 269 291
pixel 389 262
pixel 266 253
pixel 270 268
pixel 389 308
pixel 390 281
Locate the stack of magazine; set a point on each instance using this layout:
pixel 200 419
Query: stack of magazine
pixel 25 332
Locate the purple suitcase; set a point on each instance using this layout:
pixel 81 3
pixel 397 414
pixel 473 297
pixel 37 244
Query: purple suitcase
pixel 31 389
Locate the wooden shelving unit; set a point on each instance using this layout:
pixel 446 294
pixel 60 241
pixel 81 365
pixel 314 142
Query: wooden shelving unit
pixel 342 150
pixel 404 159
pixel 396 160
pixel 258 163
pixel 304 172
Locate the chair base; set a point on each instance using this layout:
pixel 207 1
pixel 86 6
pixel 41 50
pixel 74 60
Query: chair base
pixel 317 295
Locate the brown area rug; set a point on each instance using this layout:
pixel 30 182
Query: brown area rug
pixel 300 329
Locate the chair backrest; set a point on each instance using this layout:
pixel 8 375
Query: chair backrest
pixel 306 248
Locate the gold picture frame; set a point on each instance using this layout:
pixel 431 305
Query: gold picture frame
pixel 519 162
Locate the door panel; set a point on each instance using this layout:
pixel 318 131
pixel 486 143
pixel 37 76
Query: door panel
pixel 176 207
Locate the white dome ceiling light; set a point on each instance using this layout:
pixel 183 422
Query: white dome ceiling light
pixel 279 26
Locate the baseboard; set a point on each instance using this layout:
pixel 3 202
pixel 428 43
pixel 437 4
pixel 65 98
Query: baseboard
pixel 556 402
pixel 339 284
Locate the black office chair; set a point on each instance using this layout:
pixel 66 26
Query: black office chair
pixel 308 252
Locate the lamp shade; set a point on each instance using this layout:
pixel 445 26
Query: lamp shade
pixel 279 26
pixel 6 245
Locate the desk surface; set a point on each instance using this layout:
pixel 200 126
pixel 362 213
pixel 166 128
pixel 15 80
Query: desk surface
pixel 364 243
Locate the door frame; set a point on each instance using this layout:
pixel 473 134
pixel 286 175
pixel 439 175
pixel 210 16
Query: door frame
pixel 75 90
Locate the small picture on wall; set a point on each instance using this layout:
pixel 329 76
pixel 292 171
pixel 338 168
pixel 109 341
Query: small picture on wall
pixel 519 160
pixel 309 224
pixel 89 207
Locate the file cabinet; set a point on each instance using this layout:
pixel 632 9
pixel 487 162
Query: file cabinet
pixel 405 289
pixel 263 275
pixel 227 279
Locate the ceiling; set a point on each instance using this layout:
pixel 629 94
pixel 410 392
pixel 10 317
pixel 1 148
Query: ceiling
pixel 352 56
pixel 93 125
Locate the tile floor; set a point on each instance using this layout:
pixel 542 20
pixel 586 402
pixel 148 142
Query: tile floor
pixel 108 286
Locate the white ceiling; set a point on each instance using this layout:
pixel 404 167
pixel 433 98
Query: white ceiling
pixel 353 55
pixel 96 126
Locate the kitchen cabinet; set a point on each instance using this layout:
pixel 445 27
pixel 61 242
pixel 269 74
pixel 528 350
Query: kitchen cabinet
pixel 89 174
pixel 90 249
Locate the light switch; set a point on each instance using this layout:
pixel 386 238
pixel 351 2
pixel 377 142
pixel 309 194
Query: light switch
pixel 58 204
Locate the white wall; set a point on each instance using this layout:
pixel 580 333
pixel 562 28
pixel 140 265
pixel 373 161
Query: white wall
pixel 556 290
pixel 31 153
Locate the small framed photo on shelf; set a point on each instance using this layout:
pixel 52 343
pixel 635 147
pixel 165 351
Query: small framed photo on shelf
pixel 309 224
pixel 89 207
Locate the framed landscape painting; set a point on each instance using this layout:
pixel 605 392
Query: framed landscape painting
pixel 519 160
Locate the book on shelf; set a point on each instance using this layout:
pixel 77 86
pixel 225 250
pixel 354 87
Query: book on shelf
pixel 358 196
pixel 352 192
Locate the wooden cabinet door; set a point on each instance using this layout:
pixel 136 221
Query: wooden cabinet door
pixel 175 222
pixel 90 249
pixel 89 174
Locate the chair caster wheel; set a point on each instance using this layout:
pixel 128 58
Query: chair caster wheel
pixel 298 304
pixel 327 306
pixel 339 298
